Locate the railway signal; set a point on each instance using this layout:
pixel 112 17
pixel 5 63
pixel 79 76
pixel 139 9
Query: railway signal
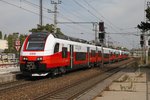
pixel 101 27
pixel 142 40
pixel 142 43
pixel 149 42
pixel 101 37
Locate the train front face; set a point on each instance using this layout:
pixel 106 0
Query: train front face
pixel 33 55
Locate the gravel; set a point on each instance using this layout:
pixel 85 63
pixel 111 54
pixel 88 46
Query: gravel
pixel 37 88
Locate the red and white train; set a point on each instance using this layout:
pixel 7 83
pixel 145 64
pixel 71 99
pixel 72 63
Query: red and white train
pixel 46 53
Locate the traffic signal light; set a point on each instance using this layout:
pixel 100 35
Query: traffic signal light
pixel 142 40
pixel 101 40
pixel 101 35
pixel 149 42
pixel 142 43
pixel 142 37
pixel 101 26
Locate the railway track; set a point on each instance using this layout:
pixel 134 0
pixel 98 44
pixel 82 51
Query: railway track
pixel 14 84
pixel 53 88
pixel 70 92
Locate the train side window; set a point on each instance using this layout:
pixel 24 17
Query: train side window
pixel 80 56
pixel 99 54
pixel 106 55
pixel 56 48
pixel 64 52
pixel 93 54
pixel 111 53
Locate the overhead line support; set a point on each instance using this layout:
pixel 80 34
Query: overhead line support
pixel 55 13
pixel 41 13
pixel 93 23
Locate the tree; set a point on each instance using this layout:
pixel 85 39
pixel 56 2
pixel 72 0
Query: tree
pixel 58 31
pixel 10 43
pixel 47 28
pixel 1 35
pixel 145 26
pixel 5 37
pixel 22 38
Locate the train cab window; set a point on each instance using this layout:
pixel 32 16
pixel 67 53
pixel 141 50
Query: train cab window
pixel 35 45
pixel 64 52
pixel 56 48
pixel 36 42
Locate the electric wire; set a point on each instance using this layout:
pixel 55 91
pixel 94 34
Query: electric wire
pixel 24 9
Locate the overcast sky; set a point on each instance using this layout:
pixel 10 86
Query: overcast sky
pixel 119 16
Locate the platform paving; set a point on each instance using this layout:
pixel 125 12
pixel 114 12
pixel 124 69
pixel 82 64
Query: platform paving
pixel 8 73
pixel 130 86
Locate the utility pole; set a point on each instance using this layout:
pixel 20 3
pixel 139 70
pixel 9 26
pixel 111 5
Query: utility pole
pixel 95 29
pixel 41 14
pixel 146 38
pixel 55 13
pixel 101 39
pixel 95 24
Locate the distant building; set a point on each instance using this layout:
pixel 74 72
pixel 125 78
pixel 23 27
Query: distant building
pixel 3 45
pixel 136 52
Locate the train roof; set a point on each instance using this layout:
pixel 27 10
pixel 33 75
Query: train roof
pixel 43 35
pixel 59 36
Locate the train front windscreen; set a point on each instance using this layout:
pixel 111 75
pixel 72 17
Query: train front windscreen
pixel 36 42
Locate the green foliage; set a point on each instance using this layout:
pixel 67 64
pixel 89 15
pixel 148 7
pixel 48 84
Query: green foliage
pixel 58 31
pixel 11 42
pixel 5 37
pixel 125 49
pixel 148 13
pixel 22 38
pixel 1 35
pixel 47 28
pixel 145 26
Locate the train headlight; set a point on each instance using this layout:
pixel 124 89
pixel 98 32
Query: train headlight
pixel 25 58
pixel 39 58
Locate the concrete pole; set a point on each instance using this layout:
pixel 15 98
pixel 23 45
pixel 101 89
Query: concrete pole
pixel 41 13
pixel 96 41
pixel 146 47
pixel 55 17
pixel 55 13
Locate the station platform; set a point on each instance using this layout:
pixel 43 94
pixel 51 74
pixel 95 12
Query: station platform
pixel 8 73
pixel 130 86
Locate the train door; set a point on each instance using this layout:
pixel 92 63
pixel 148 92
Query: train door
pixel 71 56
pixel 96 55
pixel 88 55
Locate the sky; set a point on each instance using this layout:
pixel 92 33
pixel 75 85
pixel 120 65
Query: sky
pixel 120 18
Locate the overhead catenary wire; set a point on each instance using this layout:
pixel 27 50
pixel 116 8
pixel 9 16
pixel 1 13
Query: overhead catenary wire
pixel 35 5
pixel 45 9
pixel 61 14
pixel 24 9
pixel 29 10
pixel 93 14
pixel 110 23
pixel 86 9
